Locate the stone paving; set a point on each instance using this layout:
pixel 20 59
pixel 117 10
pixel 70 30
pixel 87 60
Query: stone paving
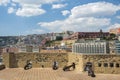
pixel 49 74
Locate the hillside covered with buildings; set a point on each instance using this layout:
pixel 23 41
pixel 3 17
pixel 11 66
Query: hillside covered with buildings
pixel 66 39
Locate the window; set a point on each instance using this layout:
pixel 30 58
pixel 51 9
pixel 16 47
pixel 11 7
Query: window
pixel 105 64
pixel 117 65
pixel 111 65
pixel 99 64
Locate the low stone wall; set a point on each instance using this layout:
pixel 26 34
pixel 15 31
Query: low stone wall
pixel 53 51
pixel 77 59
pixel 103 63
pixel 14 60
pixel 100 63
pixel 108 64
pixel 6 59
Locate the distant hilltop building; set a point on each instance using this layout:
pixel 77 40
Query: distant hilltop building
pixel 61 35
pixel 115 31
pixel 88 35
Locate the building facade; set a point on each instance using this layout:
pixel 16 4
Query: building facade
pixel 115 31
pixel 22 49
pixel 88 35
pixel 91 47
pixel 1 50
pixel 114 47
pixel 29 48
pixel 117 47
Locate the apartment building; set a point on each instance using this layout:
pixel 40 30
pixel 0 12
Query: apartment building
pixel 91 47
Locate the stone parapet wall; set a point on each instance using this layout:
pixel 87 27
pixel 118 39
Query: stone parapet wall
pixel 106 63
pixel 5 59
pixel 53 51
pixel 103 63
pixel 14 60
pixel 77 59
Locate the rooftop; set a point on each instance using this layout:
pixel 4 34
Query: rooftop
pixel 49 74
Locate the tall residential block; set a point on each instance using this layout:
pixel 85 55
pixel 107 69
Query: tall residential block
pixel 91 47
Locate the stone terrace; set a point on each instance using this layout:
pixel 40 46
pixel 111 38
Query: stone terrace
pixel 49 74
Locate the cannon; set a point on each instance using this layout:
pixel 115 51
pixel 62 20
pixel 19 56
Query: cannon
pixel 88 67
pixel 67 68
pixel 2 67
pixel 55 65
pixel 28 65
pixel 91 72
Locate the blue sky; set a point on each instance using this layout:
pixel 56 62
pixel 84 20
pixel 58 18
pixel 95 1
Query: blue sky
pixel 22 17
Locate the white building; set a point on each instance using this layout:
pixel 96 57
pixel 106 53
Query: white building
pixel 117 47
pixel 36 49
pixel 29 48
pixel 22 49
pixel 91 47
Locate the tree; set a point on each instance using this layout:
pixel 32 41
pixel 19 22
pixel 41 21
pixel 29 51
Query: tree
pixel 59 38
pixel 112 36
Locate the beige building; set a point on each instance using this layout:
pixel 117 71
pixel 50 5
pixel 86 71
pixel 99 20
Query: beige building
pixel 29 48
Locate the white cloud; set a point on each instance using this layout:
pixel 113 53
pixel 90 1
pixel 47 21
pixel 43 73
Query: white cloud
pixel 57 6
pixel 118 17
pixel 11 10
pixel 13 4
pixel 79 24
pixel 87 17
pixel 116 25
pixel 4 2
pixel 65 12
pixel 37 2
pixel 95 9
pixel 29 10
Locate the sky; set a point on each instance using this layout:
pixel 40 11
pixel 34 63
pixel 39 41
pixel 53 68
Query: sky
pixel 23 17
